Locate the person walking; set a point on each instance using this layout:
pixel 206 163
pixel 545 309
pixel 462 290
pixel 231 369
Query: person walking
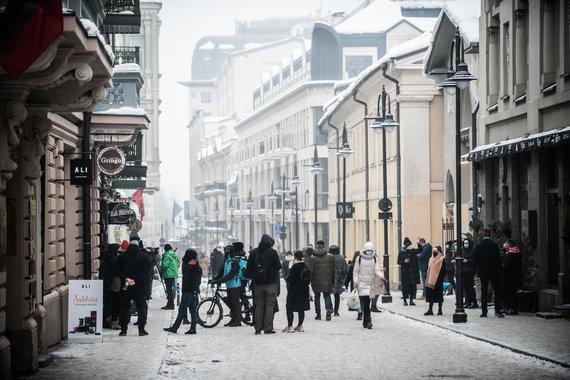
pixel 191 279
pixel 169 273
pixel 368 280
pixel 423 260
pixel 262 267
pixel 408 261
pixel 340 272
pixel 297 293
pixel 232 273
pixel 469 271
pixel 434 280
pixel 322 267
pixel 512 262
pixel 216 260
pixel 132 268
pixel 349 283
pixel 489 268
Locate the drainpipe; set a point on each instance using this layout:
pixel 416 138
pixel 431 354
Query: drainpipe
pixel 398 158
pixel 337 175
pixel 474 179
pixel 366 165
pixel 86 199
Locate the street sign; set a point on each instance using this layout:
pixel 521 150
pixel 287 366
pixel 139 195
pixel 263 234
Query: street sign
pixel 162 241
pixel 121 213
pixel 385 204
pixel 81 172
pixel 137 225
pixel 344 210
pixel 384 215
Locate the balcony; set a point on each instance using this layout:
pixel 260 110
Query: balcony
pixel 214 188
pixel 127 54
pixel 122 17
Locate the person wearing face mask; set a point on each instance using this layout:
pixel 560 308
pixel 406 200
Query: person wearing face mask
pixel 434 280
pixel 469 270
pixel 489 268
pixel 367 278
pixel 230 273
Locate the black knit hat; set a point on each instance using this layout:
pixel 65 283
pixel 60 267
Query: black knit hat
pixel 238 245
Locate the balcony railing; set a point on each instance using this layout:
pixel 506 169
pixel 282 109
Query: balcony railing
pixel 122 17
pixel 127 54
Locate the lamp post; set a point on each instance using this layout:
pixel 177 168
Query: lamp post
pixel 385 124
pixel 344 151
pixel 458 80
pixel 296 182
pixel 217 214
pixel 285 192
pixel 249 202
pixel 231 207
pixel 316 169
pixel 272 198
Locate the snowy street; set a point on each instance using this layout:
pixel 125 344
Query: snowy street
pixel 396 348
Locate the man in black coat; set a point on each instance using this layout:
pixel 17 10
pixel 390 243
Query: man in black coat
pixel 410 273
pixel 262 267
pixel 489 267
pixel 132 267
pixel 423 256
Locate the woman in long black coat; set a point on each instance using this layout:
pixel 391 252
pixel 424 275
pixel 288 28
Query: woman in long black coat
pixel 434 288
pixel 297 293
pixel 409 271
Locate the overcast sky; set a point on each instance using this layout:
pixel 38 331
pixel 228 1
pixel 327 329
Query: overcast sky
pixel 184 22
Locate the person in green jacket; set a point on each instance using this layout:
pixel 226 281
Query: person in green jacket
pixel 169 272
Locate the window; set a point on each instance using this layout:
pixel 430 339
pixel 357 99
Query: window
pixel 506 61
pixel 206 97
pixel 549 43
pixel 356 59
pixel 493 58
pixel 520 63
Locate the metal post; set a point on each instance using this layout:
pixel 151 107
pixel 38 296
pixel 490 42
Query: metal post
pixel 459 316
pixel 85 147
pixel 386 298
pixel 316 211
pixel 344 206
pixel 296 218
pixel 283 179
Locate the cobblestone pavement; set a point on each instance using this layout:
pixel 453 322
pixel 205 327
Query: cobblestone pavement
pixel 398 347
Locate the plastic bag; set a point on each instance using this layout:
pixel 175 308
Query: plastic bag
pixel 353 301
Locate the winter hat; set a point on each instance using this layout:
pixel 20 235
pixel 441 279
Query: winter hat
pixel 368 246
pixel 167 247
pixel 124 245
pixel 407 242
pixel 238 245
pixel 334 249
pixel 134 238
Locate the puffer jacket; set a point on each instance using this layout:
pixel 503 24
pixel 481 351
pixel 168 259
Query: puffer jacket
pixel 367 273
pixel 340 271
pixel 322 269
pixel 169 266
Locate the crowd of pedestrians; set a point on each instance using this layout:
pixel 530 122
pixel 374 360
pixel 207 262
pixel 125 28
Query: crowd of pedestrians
pixel 310 275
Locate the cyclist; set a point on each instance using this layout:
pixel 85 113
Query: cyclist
pixel 230 273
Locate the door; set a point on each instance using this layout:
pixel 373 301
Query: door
pixel 552 238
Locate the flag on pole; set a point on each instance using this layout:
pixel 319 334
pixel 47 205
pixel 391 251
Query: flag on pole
pixel 27 28
pixel 176 208
pixel 138 200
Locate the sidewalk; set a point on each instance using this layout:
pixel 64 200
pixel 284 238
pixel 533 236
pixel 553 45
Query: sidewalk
pixel 523 333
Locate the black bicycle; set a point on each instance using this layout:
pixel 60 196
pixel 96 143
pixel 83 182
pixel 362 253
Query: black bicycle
pixel 211 311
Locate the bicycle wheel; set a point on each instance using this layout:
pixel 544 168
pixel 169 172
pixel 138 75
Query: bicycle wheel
pixel 247 313
pixel 209 312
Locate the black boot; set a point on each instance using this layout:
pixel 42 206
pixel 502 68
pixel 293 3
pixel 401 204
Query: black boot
pixel 439 312
pixel 405 302
pixel 430 310
pixel 359 318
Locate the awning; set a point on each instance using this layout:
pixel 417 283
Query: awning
pixel 521 144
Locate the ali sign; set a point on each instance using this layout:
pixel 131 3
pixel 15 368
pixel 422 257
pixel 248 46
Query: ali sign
pixel 121 213
pixel 111 160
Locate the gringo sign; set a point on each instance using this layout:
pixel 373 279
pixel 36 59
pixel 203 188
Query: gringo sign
pixel 121 213
pixel 111 160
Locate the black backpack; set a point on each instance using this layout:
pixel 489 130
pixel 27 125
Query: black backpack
pixel 304 276
pixel 261 275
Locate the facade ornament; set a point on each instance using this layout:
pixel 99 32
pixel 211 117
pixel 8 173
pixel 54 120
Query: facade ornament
pixel 36 132
pixel 15 113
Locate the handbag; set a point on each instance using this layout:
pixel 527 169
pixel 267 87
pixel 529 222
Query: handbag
pixel 353 301
pixel 115 284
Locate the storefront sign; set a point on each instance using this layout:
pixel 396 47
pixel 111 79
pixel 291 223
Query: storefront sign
pixel 85 315
pixel 121 213
pixel 80 171
pixel 111 160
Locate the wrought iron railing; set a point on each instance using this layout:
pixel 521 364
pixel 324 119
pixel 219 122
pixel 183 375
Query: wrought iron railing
pixel 127 54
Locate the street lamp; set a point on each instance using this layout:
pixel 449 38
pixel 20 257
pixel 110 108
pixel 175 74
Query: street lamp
pixel 272 198
pixel 249 203
pixel 316 169
pixel 231 207
pixel 458 80
pixel 285 193
pixel 217 214
pixel 296 181
pixel 344 151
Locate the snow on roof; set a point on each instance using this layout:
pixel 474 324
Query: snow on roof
pixel 465 14
pixel 381 15
pixel 127 68
pixel 207 46
pixel 408 47
pixel 93 31
pixel 275 70
pixel 251 45
pixel 130 111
